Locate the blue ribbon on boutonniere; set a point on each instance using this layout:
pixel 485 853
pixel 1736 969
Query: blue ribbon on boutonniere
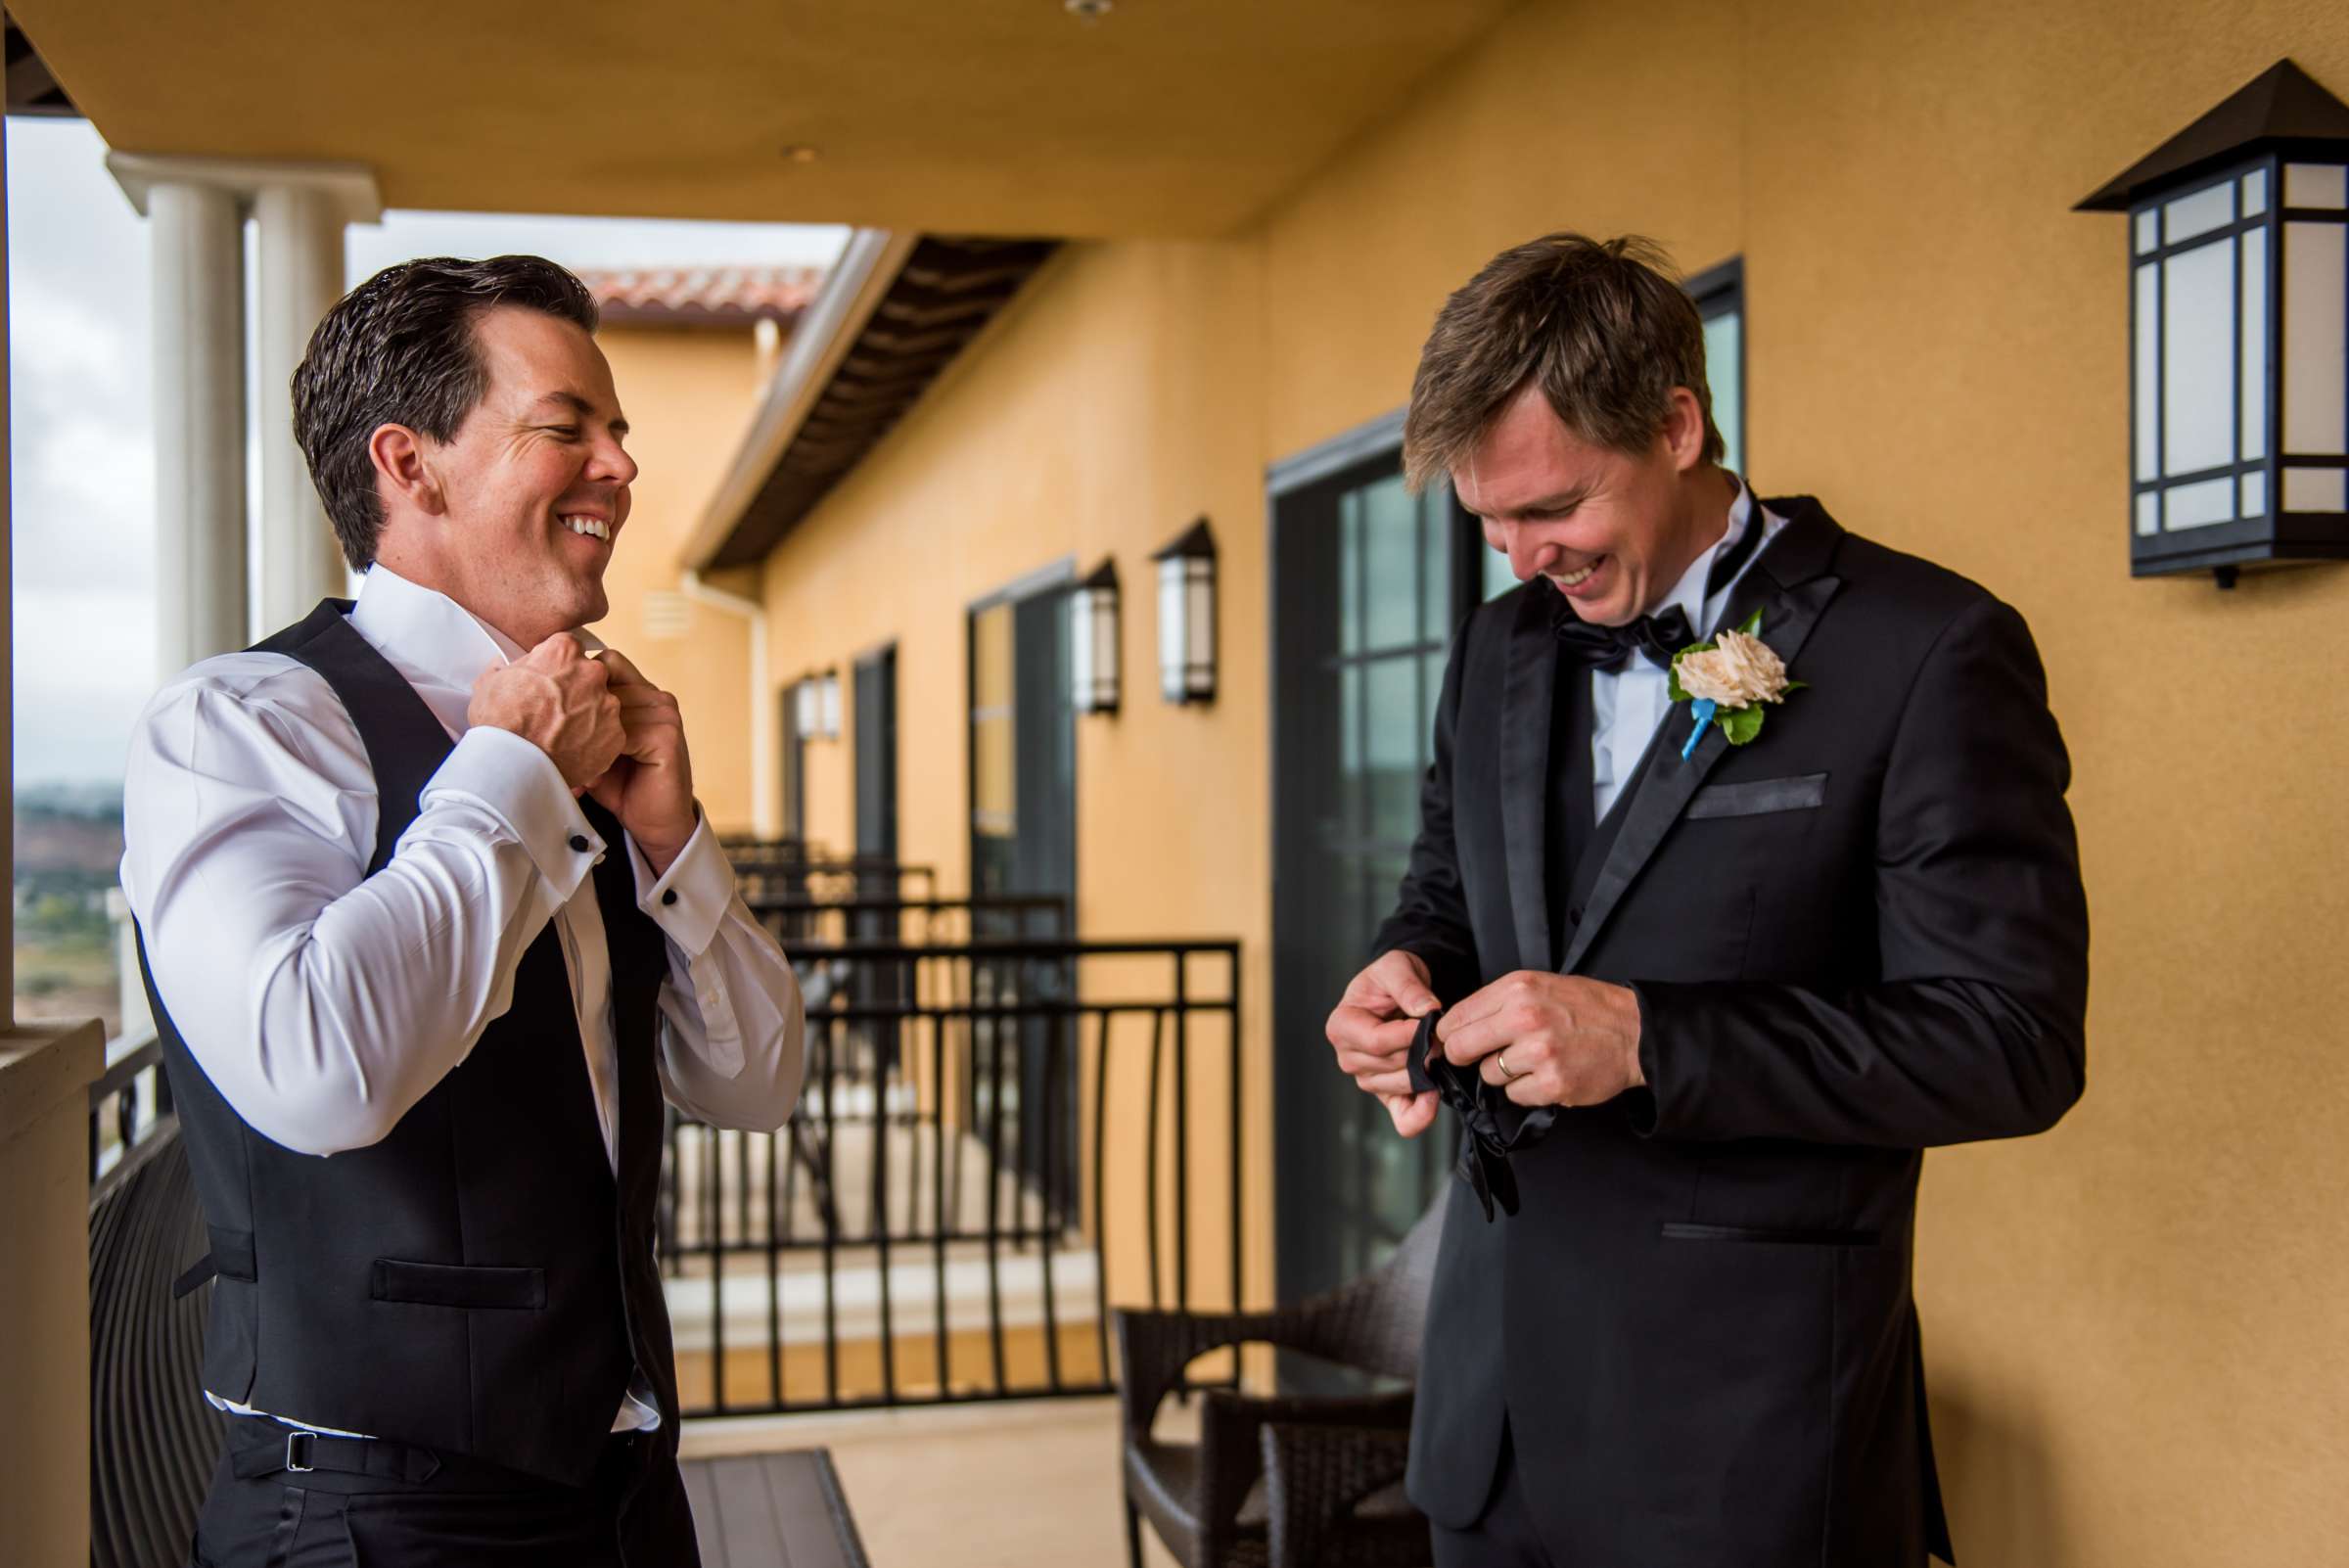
pixel 1485 1154
pixel 1727 681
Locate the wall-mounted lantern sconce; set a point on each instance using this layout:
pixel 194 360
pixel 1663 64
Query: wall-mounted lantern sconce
pixel 2238 267
pixel 1186 617
pixel 815 699
pixel 1094 640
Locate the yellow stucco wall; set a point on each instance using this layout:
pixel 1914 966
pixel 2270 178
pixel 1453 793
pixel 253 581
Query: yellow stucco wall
pixel 2133 1322
pixel 689 394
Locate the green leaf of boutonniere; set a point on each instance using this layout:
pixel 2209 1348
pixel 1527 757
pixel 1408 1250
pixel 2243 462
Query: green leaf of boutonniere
pixel 1753 624
pixel 1740 724
pixel 1672 671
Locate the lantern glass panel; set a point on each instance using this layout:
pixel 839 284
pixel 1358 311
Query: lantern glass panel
pixel 2197 330
pixel 1102 636
pixel 2186 216
pixel 1199 639
pixel 2148 512
pixel 831 707
pixel 2255 493
pixel 2316 489
pixel 2199 504
pixel 2148 372
pixel 2148 230
pixel 1172 650
pixel 2255 193
pixel 2321 185
pixel 2314 332
pixel 803 697
pixel 2254 340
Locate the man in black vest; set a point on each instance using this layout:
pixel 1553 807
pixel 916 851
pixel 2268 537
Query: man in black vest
pixel 1723 940
pixel 431 924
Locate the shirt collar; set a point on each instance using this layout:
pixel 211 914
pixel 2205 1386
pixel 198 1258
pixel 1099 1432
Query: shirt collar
pixel 437 645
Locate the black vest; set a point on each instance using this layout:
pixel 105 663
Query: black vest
pixel 477 1282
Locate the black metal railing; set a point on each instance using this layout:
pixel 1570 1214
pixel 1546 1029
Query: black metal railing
pixel 777 870
pixel 997 1137
pixel 131 1111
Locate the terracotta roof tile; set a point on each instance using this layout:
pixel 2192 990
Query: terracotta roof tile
pixel 702 297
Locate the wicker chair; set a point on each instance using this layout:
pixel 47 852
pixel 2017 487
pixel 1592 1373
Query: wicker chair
pixel 1209 1501
pixel 1334 1494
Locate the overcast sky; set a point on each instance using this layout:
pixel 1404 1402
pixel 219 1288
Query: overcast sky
pixel 81 422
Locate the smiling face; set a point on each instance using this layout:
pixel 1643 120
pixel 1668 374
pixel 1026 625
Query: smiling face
pixel 517 514
pixel 1610 530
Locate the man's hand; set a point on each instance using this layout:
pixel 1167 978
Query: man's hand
pixel 1372 1028
pixel 649 786
pixel 556 698
pixel 1549 1039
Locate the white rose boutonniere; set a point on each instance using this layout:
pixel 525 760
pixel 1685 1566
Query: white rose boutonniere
pixel 1727 682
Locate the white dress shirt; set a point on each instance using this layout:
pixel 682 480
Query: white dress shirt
pixel 1629 702
pixel 322 1002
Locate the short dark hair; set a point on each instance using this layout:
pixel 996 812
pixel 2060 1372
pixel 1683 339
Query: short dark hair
pixel 401 349
pixel 1602 326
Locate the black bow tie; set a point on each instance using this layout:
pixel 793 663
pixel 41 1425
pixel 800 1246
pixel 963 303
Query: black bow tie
pixel 1655 638
pixel 1485 1154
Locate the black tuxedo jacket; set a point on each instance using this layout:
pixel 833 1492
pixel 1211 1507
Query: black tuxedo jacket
pixel 1861 934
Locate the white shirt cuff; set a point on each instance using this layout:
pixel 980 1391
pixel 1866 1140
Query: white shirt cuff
pixel 519 785
pixel 690 897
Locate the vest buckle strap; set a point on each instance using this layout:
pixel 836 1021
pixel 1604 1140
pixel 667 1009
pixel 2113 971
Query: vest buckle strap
pixel 306 1451
pixel 298 1451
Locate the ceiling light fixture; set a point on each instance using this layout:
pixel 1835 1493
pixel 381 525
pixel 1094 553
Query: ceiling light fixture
pixel 801 153
pixel 1088 10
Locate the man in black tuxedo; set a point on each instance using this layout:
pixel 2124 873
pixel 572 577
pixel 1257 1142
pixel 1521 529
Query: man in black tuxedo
pixel 1704 1005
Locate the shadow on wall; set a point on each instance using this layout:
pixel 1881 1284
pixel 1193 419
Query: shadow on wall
pixel 1996 1480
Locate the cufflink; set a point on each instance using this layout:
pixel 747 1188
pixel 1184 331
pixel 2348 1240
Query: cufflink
pixel 668 895
pixel 579 841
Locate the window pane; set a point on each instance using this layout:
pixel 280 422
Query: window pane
pixel 1391 712
pixel 1391 542
pixel 2148 372
pixel 2255 193
pixel 2316 489
pixel 2148 230
pixel 992 798
pixel 2254 339
pixel 1724 377
pixel 1431 691
pixel 1435 562
pixel 1353 764
pixel 2315 185
pixel 2255 494
pixel 2314 331
pixel 2198 214
pixel 2148 512
pixel 990 657
pixel 1349 572
pixel 2199 504
pixel 2197 331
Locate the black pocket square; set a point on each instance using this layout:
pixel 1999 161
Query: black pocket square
pixel 1485 1152
pixel 1756 796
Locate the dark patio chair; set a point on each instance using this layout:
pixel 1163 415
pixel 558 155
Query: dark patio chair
pixel 1208 1500
pixel 1334 1494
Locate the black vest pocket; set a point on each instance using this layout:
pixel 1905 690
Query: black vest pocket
pixel 426 1284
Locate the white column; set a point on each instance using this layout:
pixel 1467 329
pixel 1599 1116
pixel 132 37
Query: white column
pixel 196 207
pixel 199 247
pixel 300 277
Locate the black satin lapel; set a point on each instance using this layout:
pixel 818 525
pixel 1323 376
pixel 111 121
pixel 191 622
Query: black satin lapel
pixel 1525 723
pixel 1665 784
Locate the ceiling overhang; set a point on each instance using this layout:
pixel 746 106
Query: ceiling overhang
pixel 938 116
pixel 31 88
pixel 893 314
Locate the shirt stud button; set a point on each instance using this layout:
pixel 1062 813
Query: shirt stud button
pixel 579 841
pixel 668 895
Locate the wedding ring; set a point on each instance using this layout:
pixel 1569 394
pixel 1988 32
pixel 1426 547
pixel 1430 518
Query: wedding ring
pixel 1501 1059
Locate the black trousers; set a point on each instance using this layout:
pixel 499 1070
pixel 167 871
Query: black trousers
pixel 632 1514
pixel 1504 1536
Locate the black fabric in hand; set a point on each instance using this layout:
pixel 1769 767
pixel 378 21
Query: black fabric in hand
pixel 1485 1153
